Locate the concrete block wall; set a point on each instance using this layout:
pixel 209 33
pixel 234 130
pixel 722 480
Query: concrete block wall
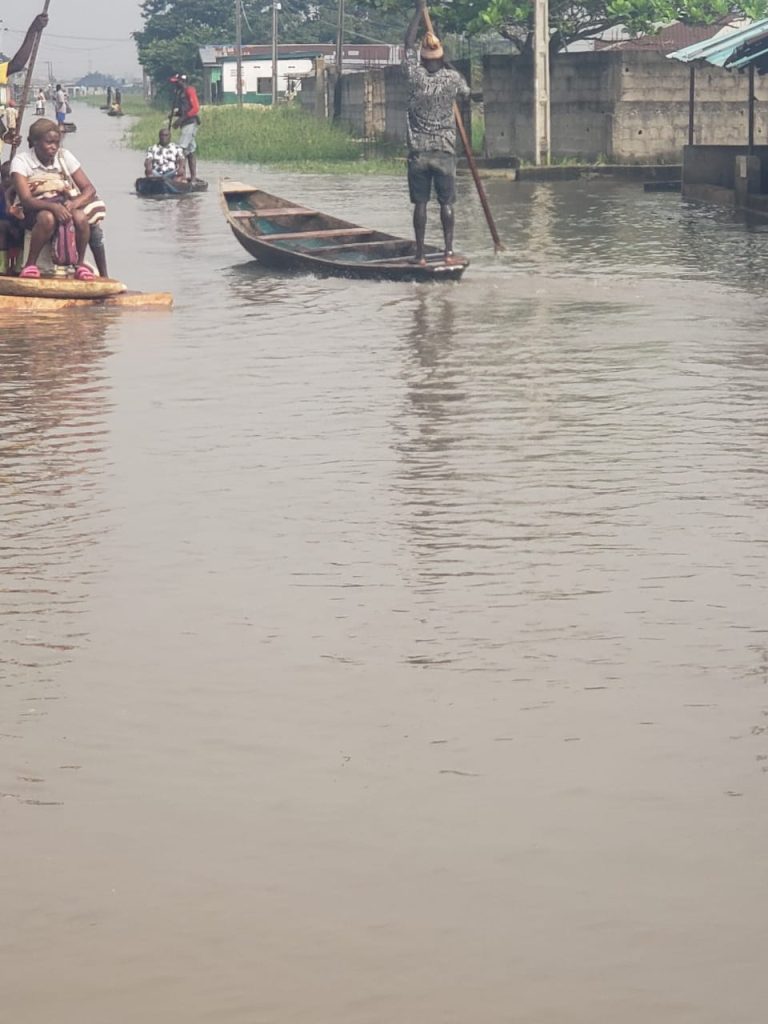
pixel 629 107
pixel 372 104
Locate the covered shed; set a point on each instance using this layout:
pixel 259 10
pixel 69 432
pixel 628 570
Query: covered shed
pixel 735 175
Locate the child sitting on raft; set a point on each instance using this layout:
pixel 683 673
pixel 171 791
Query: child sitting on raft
pixel 11 230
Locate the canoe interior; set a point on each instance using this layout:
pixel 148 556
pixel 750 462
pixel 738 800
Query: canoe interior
pixel 166 187
pixel 292 229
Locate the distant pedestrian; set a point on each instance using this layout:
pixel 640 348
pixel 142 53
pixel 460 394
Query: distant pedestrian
pixel 61 105
pixel 40 103
pixel 11 116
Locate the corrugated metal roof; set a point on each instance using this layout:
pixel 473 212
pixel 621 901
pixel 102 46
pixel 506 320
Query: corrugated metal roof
pixel 671 37
pixel 723 50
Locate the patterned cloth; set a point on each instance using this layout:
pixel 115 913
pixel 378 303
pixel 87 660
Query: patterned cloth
pixel 431 125
pixel 164 158
pixel 46 179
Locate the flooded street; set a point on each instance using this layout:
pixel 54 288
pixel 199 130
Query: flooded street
pixel 380 653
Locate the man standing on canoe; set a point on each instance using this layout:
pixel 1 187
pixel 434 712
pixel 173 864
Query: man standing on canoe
pixel 431 130
pixel 188 119
pixel 18 62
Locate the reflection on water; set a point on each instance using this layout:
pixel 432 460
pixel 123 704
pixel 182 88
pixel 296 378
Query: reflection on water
pixel 408 642
pixel 53 401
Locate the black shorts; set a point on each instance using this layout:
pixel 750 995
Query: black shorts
pixel 429 166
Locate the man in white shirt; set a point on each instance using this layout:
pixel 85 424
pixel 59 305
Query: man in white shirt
pixel 165 159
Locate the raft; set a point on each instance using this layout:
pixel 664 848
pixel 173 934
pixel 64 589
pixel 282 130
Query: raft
pixel 60 287
pixel 125 300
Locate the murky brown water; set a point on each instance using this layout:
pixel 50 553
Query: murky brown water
pixel 378 653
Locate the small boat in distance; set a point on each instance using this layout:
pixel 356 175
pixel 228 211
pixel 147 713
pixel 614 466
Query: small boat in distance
pixel 169 186
pixel 285 235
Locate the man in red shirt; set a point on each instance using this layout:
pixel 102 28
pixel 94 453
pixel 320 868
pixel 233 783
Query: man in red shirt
pixel 187 110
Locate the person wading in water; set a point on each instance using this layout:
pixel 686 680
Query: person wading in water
pixel 431 131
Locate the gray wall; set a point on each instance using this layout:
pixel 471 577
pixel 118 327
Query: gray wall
pixel 372 104
pixel 628 107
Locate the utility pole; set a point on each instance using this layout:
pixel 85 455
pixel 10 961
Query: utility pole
pixel 239 45
pixel 542 145
pixel 340 40
pixel 275 9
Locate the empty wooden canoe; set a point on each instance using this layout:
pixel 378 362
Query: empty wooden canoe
pixel 289 236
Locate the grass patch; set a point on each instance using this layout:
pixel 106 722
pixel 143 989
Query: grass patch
pixel 284 136
pixel 132 103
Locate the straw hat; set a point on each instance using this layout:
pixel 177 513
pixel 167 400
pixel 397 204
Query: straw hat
pixel 431 47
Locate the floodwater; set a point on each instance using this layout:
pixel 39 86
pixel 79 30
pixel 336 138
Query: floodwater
pixel 383 653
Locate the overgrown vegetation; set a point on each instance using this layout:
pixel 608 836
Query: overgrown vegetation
pixel 173 30
pixel 285 136
pixel 131 103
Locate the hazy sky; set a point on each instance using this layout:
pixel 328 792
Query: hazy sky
pixel 82 35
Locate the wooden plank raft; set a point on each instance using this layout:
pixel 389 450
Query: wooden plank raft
pixel 60 287
pixel 125 300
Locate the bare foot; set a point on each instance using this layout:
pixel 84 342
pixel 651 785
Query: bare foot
pixel 450 260
pixel 419 261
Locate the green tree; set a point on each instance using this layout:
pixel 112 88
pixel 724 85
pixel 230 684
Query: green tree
pixel 174 30
pixel 569 21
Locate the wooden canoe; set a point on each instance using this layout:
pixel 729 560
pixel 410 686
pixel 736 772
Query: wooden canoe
pixel 59 287
pixel 169 187
pixel 288 236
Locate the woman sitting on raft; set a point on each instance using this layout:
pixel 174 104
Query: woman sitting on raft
pixel 53 188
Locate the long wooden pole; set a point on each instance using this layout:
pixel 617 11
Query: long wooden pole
pixel 28 81
pixel 497 244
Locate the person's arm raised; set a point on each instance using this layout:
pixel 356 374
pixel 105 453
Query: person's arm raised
pixel 414 24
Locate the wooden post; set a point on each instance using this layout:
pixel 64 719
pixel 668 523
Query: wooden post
pixel 751 108
pixel 239 46
pixel 275 9
pixel 340 40
pixel 542 146
pixel 691 100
